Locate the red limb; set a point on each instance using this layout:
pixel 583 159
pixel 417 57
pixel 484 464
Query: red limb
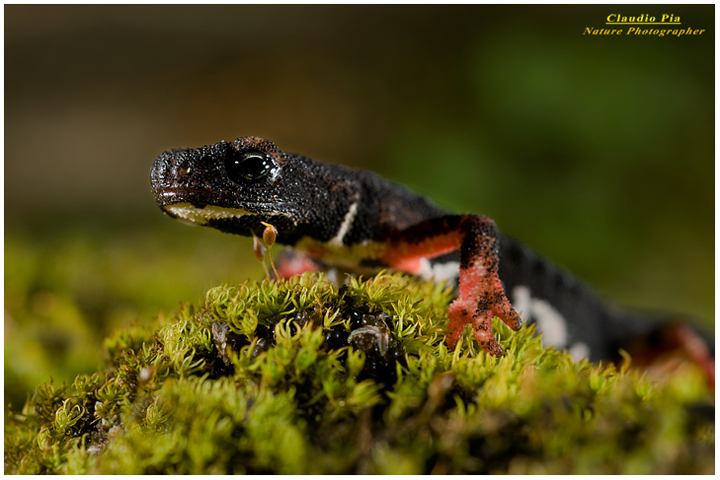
pixel 674 342
pixel 290 262
pixel 481 296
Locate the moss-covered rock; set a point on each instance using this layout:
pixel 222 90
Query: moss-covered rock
pixel 301 377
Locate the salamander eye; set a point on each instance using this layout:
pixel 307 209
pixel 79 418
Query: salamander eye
pixel 250 166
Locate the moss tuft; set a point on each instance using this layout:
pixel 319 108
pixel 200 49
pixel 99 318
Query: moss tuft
pixel 298 377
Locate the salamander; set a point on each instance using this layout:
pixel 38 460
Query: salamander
pixel 357 221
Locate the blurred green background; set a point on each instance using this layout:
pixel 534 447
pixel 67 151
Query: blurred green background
pixel 596 151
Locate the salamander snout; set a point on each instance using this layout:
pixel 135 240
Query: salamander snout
pixel 184 175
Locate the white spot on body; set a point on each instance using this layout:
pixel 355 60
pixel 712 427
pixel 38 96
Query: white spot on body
pixel 345 226
pixel 579 351
pixel 522 302
pixel 448 271
pixel 552 325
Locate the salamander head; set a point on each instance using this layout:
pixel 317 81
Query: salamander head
pixel 231 186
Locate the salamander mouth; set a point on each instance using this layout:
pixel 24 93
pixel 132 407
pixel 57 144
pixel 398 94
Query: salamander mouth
pixel 167 198
pixel 203 215
pixel 198 207
pixel 231 220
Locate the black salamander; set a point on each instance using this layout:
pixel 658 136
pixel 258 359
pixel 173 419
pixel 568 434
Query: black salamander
pixel 360 222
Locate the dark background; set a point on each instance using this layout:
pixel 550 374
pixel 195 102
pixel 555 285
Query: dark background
pixel 596 151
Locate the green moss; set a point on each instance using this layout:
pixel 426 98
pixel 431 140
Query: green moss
pixel 301 377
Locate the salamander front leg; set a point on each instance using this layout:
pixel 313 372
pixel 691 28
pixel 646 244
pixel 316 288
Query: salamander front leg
pixel 481 294
pixel 292 262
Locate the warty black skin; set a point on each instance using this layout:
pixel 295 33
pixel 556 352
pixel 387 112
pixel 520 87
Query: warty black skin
pixel 304 199
pixel 313 197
